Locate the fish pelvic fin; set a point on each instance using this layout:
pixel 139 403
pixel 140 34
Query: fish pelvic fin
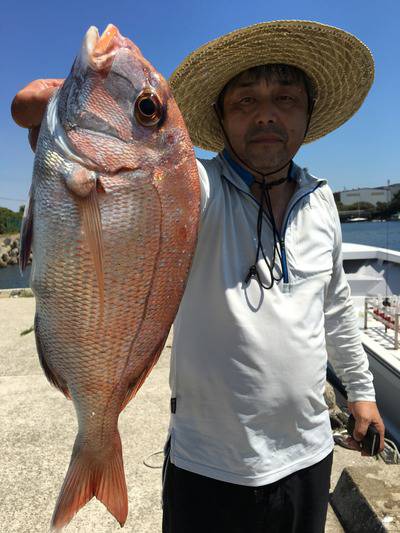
pixel 90 475
pixel 26 233
pixel 52 376
pixel 91 222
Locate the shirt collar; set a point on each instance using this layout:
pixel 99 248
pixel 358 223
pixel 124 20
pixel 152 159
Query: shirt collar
pixel 247 176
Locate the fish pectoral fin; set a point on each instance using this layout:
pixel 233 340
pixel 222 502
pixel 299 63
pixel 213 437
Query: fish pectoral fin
pixel 85 187
pixel 26 233
pixel 138 382
pixel 93 474
pixel 55 380
pixel 91 222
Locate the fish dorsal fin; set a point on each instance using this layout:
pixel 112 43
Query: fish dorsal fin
pixel 138 382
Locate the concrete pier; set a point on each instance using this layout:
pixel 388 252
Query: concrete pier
pixel 38 430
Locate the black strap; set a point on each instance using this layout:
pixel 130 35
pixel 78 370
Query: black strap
pixel 173 405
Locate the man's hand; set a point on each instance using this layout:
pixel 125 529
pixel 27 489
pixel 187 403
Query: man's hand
pixel 365 413
pixel 29 105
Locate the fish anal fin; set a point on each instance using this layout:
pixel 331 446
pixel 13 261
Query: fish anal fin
pixel 138 382
pixel 55 380
pixel 93 474
pixel 92 227
pixel 26 233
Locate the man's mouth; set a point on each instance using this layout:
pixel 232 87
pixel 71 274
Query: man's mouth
pixel 266 139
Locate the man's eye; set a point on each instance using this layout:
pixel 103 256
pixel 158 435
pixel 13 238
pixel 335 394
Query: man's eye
pixel 246 100
pixel 286 98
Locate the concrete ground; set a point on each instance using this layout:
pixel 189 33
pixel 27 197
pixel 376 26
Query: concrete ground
pixel 38 430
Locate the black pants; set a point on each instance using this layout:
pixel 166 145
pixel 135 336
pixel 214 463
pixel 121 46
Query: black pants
pixel 295 504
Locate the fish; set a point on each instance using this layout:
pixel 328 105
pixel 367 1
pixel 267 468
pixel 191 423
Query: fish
pixel 112 221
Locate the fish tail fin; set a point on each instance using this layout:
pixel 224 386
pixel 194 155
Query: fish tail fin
pixel 90 476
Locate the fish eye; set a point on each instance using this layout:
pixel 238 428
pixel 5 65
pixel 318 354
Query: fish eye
pixel 148 109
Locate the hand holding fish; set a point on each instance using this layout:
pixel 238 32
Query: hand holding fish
pixel 29 105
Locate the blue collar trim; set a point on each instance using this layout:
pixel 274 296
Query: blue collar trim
pixel 247 176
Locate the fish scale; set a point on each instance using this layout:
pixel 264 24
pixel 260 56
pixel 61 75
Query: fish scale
pixel 112 218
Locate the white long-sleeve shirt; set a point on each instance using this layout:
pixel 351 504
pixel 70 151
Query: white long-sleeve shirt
pixel 248 366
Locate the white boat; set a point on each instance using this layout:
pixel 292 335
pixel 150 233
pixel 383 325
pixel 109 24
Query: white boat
pixel 357 219
pixel 374 273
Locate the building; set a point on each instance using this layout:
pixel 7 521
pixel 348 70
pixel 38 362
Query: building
pixel 368 194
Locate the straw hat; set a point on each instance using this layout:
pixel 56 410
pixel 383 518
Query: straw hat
pixel 340 67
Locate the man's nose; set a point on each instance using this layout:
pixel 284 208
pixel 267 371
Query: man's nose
pixel 266 112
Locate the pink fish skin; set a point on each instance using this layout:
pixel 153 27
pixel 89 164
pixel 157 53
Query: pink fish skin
pixel 112 221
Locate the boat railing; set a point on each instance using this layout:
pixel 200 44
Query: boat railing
pixel 385 310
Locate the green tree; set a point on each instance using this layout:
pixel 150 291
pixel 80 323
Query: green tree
pixel 395 203
pixel 339 204
pixel 10 222
pixel 381 206
pixel 359 205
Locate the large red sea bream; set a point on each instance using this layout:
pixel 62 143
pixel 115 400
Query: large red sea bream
pixel 112 222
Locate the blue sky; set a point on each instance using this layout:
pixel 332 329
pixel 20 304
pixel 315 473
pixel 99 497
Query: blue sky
pixel 40 39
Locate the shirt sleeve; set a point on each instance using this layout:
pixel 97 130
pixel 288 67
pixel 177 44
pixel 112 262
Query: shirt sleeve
pixel 343 339
pixel 205 191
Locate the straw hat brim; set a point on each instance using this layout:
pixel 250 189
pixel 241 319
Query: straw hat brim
pixel 339 65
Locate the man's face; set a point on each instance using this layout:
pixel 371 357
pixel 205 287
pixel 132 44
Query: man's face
pixel 265 120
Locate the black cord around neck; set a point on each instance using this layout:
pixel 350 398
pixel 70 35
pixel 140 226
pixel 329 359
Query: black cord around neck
pixel 265 197
pixel 253 271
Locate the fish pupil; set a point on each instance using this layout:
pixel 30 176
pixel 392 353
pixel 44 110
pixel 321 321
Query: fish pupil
pixel 147 107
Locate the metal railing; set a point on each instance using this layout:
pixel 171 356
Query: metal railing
pixel 384 312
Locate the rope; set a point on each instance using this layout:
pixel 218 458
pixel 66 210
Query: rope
pixel 145 461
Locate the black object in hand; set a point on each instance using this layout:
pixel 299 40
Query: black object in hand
pixel 370 442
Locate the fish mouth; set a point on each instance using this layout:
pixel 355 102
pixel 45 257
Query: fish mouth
pixel 97 51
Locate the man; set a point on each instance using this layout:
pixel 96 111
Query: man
pixel 250 446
